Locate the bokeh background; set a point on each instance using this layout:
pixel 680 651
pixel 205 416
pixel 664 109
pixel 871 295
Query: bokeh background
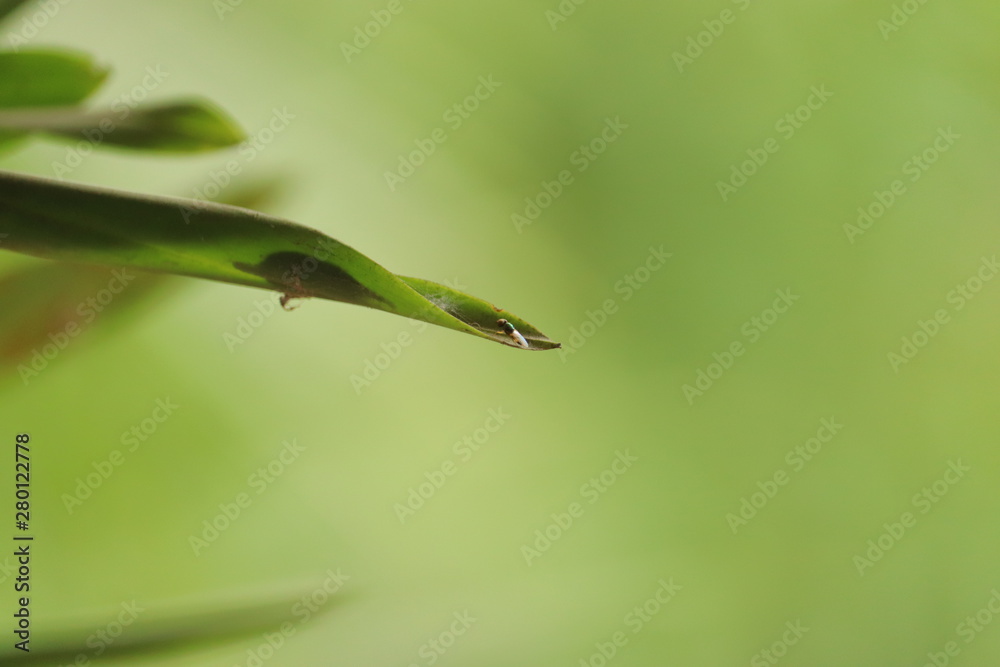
pixel 824 567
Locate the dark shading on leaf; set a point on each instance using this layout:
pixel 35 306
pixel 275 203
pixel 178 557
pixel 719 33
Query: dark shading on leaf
pixel 286 270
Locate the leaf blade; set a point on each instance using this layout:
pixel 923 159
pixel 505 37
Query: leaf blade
pixel 48 218
pixel 45 78
pixel 178 127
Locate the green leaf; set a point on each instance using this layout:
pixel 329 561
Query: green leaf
pixel 35 79
pixel 47 78
pixel 43 301
pixel 48 218
pixel 174 127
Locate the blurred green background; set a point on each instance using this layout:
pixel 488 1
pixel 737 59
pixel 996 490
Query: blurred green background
pixel 823 567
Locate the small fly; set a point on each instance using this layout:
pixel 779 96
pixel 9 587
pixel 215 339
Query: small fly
pixel 509 329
